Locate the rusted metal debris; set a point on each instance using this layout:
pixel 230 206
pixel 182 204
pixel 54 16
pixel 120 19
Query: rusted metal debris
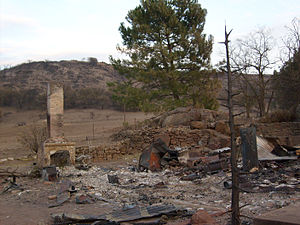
pixel 151 157
pixel 154 158
pixel 49 173
pixel 113 179
pixel 269 149
pixel 60 199
pixel 64 193
pixel 12 185
pixel 117 216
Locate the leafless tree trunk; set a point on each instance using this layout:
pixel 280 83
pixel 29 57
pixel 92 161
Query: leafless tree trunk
pixel 124 112
pixel 235 216
pixel 252 56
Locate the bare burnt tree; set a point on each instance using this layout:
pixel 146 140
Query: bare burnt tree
pixel 235 216
pixel 251 58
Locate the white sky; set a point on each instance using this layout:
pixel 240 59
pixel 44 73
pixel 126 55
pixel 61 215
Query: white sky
pixel 75 29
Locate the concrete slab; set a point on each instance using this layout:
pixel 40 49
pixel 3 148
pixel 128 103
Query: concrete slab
pixel 285 216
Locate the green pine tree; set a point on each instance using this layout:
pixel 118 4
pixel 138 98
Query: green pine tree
pixel 168 56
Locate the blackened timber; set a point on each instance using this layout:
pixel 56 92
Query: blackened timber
pixel 249 148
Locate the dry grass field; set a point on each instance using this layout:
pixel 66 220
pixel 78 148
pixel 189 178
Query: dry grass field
pixel 83 126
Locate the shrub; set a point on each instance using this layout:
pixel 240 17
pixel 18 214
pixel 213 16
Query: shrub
pixel 93 61
pixel 279 116
pixel 33 137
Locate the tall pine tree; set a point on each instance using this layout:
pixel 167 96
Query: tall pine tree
pixel 168 55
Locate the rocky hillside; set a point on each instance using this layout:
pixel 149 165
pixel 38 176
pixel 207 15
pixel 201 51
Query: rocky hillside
pixel 76 74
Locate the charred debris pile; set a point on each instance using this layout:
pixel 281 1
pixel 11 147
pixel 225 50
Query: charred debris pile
pixel 183 165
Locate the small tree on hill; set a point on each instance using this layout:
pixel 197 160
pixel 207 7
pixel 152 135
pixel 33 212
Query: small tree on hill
pixel 93 61
pixel 168 55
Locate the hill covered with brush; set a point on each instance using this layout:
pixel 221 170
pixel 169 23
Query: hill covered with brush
pixel 74 74
pixel 85 83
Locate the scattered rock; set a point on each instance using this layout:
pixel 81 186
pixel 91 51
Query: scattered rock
pixel 164 137
pixel 201 217
pixel 222 127
pixel 191 177
pixel 83 199
pixel 52 197
pixel 176 120
pixel 20 124
pixel 83 167
pixel 198 125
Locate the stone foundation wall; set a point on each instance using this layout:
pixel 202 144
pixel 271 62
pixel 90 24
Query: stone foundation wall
pixel 186 128
pixel 134 141
pixel 103 152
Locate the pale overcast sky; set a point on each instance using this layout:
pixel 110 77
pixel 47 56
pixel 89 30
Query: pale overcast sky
pixel 75 29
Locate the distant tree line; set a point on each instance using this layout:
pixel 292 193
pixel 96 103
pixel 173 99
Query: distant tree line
pixel 22 99
pixel 88 98
pixel 73 98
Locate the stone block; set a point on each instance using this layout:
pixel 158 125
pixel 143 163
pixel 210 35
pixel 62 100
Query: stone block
pixel 198 125
pixel 222 127
pixel 201 217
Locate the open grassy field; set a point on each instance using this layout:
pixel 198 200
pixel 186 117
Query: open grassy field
pixel 83 126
